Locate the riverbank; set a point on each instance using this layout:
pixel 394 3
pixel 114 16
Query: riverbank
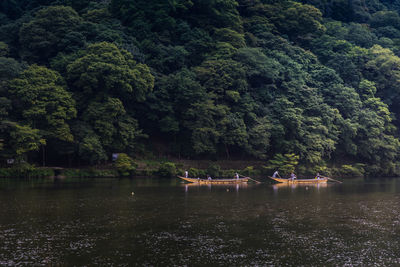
pixel 171 168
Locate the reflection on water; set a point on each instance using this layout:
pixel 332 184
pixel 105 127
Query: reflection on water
pixel 165 222
pixel 228 187
pixel 305 186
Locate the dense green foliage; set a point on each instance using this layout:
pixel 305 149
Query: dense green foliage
pixel 124 164
pixel 167 169
pixel 285 164
pixel 312 82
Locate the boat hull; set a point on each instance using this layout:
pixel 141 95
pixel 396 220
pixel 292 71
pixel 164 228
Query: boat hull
pixel 301 181
pixel 215 181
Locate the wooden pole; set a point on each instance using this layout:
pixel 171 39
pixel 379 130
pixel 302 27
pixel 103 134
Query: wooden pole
pixel 258 182
pixel 332 179
pixel 250 179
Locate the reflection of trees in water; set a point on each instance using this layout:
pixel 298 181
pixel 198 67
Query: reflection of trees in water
pixel 228 187
pixel 299 185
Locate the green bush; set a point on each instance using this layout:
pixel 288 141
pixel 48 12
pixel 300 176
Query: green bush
pixel 193 172
pixel 180 171
pixel 71 173
pixel 39 173
pixel 125 165
pixel 103 173
pixel 228 173
pixel 352 171
pixel 374 170
pixel 7 173
pixel 322 169
pixel 167 169
pixel 250 171
pixel 26 170
pixel 213 170
pixel 386 169
pixel 285 164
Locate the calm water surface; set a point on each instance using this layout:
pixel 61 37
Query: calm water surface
pixel 164 223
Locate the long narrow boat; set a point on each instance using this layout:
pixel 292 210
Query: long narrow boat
pixel 215 181
pixel 301 181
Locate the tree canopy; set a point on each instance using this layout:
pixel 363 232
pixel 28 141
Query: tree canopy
pixel 311 82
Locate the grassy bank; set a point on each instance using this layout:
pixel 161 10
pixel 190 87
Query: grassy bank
pixel 171 168
pixel 41 172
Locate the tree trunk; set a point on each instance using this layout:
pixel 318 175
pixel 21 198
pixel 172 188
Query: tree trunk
pixel 227 151
pixel 43 156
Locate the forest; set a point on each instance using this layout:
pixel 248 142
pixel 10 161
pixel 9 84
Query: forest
pixel 317 80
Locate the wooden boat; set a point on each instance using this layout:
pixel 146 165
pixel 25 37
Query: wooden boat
pixel 215 181
pixel 301 181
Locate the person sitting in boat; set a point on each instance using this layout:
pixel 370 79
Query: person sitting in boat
pixel 209 177
pixel 292 176
pixel 317 176
pixel 275 174
pixel 186 174
pixel 236 175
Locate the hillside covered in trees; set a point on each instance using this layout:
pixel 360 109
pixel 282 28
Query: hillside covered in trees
pixel 215 79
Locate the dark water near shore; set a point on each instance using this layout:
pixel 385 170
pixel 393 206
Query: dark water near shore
pixel 99 222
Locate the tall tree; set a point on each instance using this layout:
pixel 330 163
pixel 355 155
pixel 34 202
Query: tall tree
pixel 104 69
pixel 46 35
pixel 41 101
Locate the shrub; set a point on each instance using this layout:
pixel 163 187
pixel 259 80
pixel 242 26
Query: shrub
pixel 71 173
pixel 229 173
pixel 38 173
pixel 193 172
pixel 213 170
pixel 322 169
pixel 373 170
pixel 285 164
pixel 167 169
pixel 125 164
pixel 352 171
pixel 26 170
pixel 103 173
pixel 7 172
pixel 250 171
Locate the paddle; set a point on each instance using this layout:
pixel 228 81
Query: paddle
pixel 250 179
pixel 332 179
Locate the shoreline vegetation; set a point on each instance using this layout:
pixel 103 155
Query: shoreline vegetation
pixel 172 168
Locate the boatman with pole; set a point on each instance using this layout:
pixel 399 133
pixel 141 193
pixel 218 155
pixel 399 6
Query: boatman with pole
pixel 186 174
pixel 275 174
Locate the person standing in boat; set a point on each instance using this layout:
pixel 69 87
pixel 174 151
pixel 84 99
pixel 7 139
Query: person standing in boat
pixel 236 175
pixel 292 176
pixel 186 174
pixel 275 174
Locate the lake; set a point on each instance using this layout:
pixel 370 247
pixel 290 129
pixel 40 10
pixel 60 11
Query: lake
pixel 150 221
